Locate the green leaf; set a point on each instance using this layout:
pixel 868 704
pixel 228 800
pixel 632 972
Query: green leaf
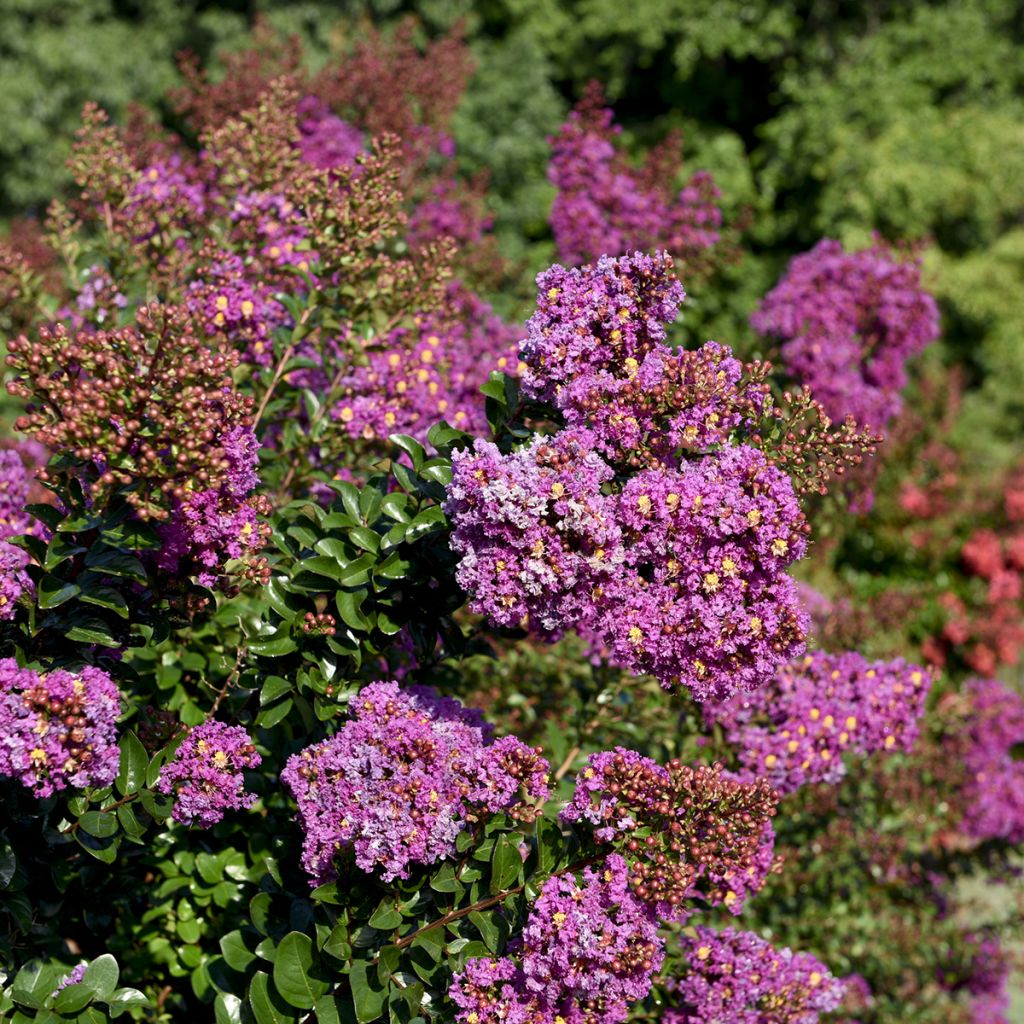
pixel 386 916
pixel 227 1009
pixel 326 1010
pixel 98 824
pixel 266 1003
pixel 59 550
pixel 365 538
pixel 273 687
pixel 368 994
pixel 106 597
pixel 235 951
pixel 125 999
pixel 73 998
pixel 274 646
pixel 297 975
pixel 101 976
pixel 94 633
pixel 411 447
pixel 506 863
pixel 52 592
pixel 34 983
pixel 111 562
pixel 269 717
pixel 134 761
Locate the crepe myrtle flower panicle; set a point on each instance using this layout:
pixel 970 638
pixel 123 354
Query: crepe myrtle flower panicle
pixel 848 323
pixel 58 729
pixel 15 484
pixel 685 832
pixel 993 796
pixel 14 581
pixel 589 951
pixel 400 780
pixel 533 529
pixel 205 774
pixel 796 729
pixel 596 318
pixel 738 977
pixel 703 600
pixel 604 205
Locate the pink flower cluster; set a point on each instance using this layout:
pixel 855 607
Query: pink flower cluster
pixel 430 373
pixel 796 730
pixel 993 797
pixel 681 574
pixel 205 773
pixel 210 527
pixel 587 953
pixel 848 323
pixel 58 729
pixel 640 525
pixel 687 833
pixel 605 206
pixel 228 302
pixel 739 978
pixel 15 484
pixel 595 349
pixel 326 141
pixel 400 780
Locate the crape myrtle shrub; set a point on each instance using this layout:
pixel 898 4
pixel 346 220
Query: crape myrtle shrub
pixel 368 657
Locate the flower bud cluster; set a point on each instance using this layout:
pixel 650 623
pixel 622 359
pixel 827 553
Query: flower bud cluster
pixel 587 953
pixel 58 729
pixel 146 406
pixel 738 977
pixel 687 833
pixel 796 730
pixel 401 779
pixel 205 774
pixel 848 323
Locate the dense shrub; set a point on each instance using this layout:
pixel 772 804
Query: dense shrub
pixel 370 651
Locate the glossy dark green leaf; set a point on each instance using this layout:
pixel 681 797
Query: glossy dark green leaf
pixel 52 592
pixel 131 776
pixel 98 824
pixel 266 1003
pixel 235 951
pixel 368 994
pixel 506 863
pixel 297 974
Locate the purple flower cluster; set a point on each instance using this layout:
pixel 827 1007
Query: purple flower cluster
pixel 703 599
pixel 595 349
pixel 73 977
pixel 993 797
pixel 58 729
pixel 205 773
pixel 535 532
pixel 230 304
pixel 987 985
pixel 588 951
pixel 210 527
pixel 447 211
pixel 605 206
pixel 15 485
pixel 326 141
pixel 686 832
pixel 737 977
pixel 403 778
pixel 681 574
pixel 848 323
pixel 795 730
pixel 430 373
